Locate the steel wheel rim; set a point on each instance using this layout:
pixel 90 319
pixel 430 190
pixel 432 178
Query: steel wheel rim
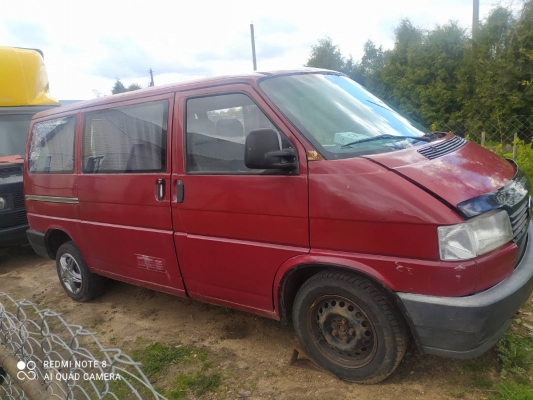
pixel 70 273
pixel 342 331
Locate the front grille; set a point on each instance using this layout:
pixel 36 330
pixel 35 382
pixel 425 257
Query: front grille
pixel 18 200
pixel 520 219
pixel 514 198
pixel 21 217
pixel 17 212
pixel 443 148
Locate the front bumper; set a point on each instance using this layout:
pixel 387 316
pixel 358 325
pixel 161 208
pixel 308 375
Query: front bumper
pixel 13 236
pixel 465 327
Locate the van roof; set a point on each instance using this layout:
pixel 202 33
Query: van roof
pixel 181 86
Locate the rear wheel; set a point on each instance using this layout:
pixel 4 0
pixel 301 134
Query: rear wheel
pixel 74 275
pixel 349 327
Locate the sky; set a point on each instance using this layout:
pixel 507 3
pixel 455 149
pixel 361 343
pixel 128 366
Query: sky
pixel 88 44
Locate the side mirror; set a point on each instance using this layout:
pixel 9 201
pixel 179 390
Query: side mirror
pixel 262 151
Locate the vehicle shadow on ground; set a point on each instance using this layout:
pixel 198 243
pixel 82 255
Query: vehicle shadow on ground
pixel 14 257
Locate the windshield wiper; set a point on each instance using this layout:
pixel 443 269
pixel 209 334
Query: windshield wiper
pixel 421 138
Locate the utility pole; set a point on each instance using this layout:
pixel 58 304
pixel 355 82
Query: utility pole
pixel 475 18
pixel 151 77
pixel 253 46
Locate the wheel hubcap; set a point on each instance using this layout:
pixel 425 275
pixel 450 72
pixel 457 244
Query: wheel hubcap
pixel 70 273
pixel 342 331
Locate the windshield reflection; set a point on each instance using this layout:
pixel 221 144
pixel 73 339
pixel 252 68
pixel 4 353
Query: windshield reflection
pixel 13 134
pixel 332 110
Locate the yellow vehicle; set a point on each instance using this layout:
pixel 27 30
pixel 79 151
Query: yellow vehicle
pixel 24 91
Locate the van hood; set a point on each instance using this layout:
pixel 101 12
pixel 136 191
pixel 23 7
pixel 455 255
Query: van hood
pixel 14 159
pixel 462 174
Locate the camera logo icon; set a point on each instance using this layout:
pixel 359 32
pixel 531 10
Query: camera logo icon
pixel 26 370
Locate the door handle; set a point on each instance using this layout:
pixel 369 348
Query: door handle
pixel 160 189
pixel 180 193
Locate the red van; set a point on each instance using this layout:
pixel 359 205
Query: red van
pixel 292 195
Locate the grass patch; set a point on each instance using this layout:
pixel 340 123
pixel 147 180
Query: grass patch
pixel 197 384
pixel 481 382
pixel 515 352
pixel 122 391
pixel 253 386
pixel 480 364
pixel 271 373
pixel 155 358
pixel 514 391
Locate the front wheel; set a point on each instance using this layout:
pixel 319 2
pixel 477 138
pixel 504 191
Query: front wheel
pixel 349 327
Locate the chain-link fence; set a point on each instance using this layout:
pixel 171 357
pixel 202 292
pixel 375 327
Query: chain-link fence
pixel 43 357
pixel 494 130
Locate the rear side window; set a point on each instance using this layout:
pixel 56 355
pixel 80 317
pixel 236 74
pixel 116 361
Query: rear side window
pixel 52 146
pixel 126 139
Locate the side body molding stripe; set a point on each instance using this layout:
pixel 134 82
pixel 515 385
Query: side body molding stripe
pixel 52 199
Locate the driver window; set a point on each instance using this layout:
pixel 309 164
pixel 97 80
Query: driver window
pixel 216 129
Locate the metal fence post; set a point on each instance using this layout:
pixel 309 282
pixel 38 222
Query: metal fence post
pixel 514 145
pixel 490 131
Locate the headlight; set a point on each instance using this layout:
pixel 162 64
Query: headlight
pixel 3 203
pixel 474 237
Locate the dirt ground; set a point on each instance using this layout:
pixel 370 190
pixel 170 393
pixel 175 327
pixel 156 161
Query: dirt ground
pixel 251 353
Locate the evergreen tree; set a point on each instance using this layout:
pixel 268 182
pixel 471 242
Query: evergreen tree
pixel 118 87
pixel 442 75
pixel 134 86
pixel 326 55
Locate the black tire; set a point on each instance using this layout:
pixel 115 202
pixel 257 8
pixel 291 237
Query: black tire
pixel 84 285
pixel 349 327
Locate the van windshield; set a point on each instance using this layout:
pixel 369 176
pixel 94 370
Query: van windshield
pixel 13 133
pixel 333 112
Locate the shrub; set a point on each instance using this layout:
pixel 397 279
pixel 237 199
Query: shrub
pixel 515 353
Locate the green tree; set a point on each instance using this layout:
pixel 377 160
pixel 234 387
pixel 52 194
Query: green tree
pixel 353 70
pixel 441 76
pixel 370 67
pixel 422 72
pixel 524 56
pixel 326 55
pixel 119 87
pixel 397 74
pixel 488 70
pixel 134 86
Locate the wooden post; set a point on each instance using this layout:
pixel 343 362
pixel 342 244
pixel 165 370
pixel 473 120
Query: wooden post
pixel 151 77
pixel 483 139
pixel 31 387
pixel 514 145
